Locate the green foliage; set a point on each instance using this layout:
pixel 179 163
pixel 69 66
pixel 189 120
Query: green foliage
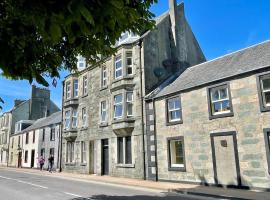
pixel 38 38
pixel 1 101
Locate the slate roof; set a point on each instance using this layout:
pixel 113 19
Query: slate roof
pixel 55 118
pixel 245 60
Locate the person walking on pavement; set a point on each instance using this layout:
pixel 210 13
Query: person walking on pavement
pixel 41 161
pixel 51 161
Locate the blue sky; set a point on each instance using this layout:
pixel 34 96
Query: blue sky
pixel 221 27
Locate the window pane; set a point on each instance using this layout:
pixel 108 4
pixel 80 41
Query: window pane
pixel 118 110
pixel 175 115
pixel 223 93
pixel 130 96
pixel 120 150
pixel 225 105
pixel 266 84
pixel 177 156
pixel 118 99
pixel 267 97
pixel 216 107
pixel 128 150
pixel 214 94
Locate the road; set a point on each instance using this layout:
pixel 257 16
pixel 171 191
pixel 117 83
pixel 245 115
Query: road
pixel 25 186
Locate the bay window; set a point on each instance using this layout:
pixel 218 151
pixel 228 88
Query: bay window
pixel 67 119
pixel 75 88
pixel 118 106
pixel 129 103
pixel 74 118
pixel 118 67
pixel 129 63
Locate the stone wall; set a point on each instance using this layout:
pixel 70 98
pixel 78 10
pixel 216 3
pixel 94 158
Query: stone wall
pixel 248 122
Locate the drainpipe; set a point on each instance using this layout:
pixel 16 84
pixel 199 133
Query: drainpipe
pixel 142 111
pixel 61 129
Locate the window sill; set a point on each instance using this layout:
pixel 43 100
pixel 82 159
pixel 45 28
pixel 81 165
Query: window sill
pixel 265 108
pixel 178 169
pixel 83 128
pixel 103 88
pixel 231 114
pixel 174 123
pixel 70 130
pixel 85 95
pixel 123 78
pixel 125 165
pixel 130 119
pixel 70 164
pixel 83 164
pixel 103 124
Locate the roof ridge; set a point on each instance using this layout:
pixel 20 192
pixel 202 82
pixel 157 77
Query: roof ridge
pixel 234 52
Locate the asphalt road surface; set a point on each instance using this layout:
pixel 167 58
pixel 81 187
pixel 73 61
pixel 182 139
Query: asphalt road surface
pixel 26 186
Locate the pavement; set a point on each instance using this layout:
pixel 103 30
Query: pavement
pixel 44 185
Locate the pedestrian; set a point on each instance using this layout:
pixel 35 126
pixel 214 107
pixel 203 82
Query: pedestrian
pixel 51 162
pixel 41 161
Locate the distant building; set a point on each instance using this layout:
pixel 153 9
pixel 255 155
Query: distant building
pixel 24 114
pixel 103 107
pixel 42 138
pixel 212 124
pixel 5 123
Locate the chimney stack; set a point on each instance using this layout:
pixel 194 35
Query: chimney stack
pixel 172 11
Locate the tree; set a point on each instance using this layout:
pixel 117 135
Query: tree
pixel 38 38
pixel 1 101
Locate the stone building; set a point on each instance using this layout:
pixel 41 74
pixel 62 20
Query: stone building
pixel 42 138
pixel 5 120
pixel 103 106
pixel 211 125
pixel 23 114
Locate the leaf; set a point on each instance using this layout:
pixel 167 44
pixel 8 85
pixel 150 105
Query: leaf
pixel 1 100
pixel 116 3
pixel 87 15
pixel 55 32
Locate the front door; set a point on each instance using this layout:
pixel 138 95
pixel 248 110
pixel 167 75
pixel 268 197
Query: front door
pixel 105 156
pixel 32 158
pixel 225 159
pixel 20 159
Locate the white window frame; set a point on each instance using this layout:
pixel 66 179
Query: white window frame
pixel 118 104
pixel 116 61
pixel 84 117
pixel 74 118
pixel 212 90
pixel 104 75
pixel 103 110
pixel 130 102
pixel 124 148
pixel 67 119
pixel 174 109
pixel 75 88
pixel 174 165
pixel 85 84
pixel 131 65
pixel 83 152
pixel 68 90
pixel 264 90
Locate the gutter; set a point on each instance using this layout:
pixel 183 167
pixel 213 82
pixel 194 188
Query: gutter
pixel 142 111
pixel 61 131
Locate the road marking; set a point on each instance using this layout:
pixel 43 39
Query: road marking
pixel 28 183
pixel 71 194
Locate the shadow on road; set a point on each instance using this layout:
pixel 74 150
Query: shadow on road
pixel 136 197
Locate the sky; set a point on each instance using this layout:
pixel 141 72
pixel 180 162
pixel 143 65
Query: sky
pixel 220 26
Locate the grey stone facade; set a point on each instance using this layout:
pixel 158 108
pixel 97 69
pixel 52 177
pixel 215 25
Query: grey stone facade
pixel 155 56
pixel 228 150
pixel 5 123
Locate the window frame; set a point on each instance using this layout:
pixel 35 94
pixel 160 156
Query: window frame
pixel 75 90
pixel 124 155
pixel 70 158
pixel 129 103
pixel 68 92
pixel 83 152
pixel 168 122
pixel 103 110
pixel 84 117
pixel 26 156
pixel 74 117
pixel 126 59
pixel 263 106
pixel 85 85
pixel 120 68
pixel 67 118
pixel 209 101
pixel 174 168
pixel 266 132
pixel 52 134
pixel 104 79
pixel 118 104
pixel 27 138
